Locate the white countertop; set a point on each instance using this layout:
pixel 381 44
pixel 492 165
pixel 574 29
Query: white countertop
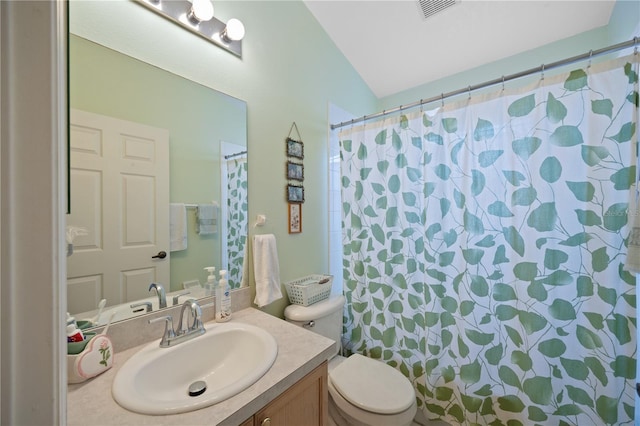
pixel 299 352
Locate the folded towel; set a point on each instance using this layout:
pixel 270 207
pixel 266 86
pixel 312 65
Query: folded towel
pixel 632 262
pixel 207 219
pixel 177 227
pixel 266 269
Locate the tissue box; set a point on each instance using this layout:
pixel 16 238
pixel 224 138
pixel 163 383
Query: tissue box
pixel 95 358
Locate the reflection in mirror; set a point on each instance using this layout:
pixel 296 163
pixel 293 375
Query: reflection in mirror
pixel 148 149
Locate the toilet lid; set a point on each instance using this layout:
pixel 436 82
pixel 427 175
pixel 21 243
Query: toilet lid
pixel 372 385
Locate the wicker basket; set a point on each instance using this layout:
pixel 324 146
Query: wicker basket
pixel 308 290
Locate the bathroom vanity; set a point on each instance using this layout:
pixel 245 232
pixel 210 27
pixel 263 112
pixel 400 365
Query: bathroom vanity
pixel 304 403
pixel 292 392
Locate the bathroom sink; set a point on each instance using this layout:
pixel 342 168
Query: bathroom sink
pixel 228 358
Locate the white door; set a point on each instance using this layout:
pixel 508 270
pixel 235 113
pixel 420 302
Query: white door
pixel 120 194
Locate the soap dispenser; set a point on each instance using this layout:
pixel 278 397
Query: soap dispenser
pixel 224 314
pixel 211 280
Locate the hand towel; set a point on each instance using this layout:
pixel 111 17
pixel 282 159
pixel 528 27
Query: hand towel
pixel 207 219
pixel 177 227
pixel 266 270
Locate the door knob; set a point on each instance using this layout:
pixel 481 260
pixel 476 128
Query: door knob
pixel 160 255
pixel 266 422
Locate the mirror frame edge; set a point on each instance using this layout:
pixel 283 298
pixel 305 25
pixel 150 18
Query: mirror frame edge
pixel 42 94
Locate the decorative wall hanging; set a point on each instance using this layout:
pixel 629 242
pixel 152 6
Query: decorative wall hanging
pixel 295 193
pixel 295 171
pixel 295 148
pixel 294 168
pixel 295 218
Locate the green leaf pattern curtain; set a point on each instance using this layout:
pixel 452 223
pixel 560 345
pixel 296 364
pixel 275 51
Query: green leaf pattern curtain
pixel 484 244
pixel 236 218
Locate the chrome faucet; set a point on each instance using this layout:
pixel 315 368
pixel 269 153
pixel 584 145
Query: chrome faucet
pixel 162 298
pixel 172 337
pixel 196 327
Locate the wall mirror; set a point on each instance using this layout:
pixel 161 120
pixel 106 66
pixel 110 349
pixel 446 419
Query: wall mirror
pixel 147 145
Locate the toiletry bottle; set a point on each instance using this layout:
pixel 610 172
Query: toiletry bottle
pixel 211 281
pixel 71 320
pixel 225 305
pixel 74 334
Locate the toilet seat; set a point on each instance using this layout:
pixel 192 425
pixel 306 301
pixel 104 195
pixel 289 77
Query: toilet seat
pixel 372 385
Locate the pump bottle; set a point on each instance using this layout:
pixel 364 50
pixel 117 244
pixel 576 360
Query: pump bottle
pixel 211 280
pixel 224 314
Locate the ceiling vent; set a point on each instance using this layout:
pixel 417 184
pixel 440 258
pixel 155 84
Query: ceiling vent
pixel 431 7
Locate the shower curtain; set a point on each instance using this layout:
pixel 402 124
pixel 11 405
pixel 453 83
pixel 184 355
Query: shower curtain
pixel 236 218
pixel 484 244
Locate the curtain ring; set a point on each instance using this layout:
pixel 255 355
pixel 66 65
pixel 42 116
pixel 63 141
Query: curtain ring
pixel 503 83
pixel 542 72
pixel 442 99
pixel 590 56
pixel 469 92
pixel 635 45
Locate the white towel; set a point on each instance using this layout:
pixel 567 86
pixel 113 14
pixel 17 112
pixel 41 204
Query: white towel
pixel 266 269
pixel 207 219
pixel 177 227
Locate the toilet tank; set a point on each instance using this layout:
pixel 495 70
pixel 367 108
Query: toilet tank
pixel 324 318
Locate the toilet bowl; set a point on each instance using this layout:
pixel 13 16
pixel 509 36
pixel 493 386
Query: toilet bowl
pixel 366 392
pixel 362 391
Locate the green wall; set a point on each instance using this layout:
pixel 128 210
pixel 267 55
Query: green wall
pixel 107 82
pixel 291 71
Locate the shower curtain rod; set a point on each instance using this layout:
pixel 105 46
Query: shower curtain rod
pixel 613 48
pixel 226 157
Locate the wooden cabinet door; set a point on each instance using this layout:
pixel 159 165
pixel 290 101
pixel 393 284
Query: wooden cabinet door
pixel 248 422
pixel 303 404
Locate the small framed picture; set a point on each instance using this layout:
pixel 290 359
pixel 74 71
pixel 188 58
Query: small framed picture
pixel 295 193
pixel 295 171
pixel 295 148
pixel 295 218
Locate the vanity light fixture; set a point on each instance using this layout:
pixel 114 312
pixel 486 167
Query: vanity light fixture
pixel 197 17
pixel 201 10
pixel 234 31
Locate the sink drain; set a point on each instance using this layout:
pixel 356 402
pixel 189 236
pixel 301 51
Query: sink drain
pixel 197 388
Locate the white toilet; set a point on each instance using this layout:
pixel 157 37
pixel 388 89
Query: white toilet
pixel 363 391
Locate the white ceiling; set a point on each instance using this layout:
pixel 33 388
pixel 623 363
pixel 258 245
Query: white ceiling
pixel 394 48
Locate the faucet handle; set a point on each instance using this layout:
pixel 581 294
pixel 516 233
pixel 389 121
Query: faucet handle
pixel 177 296
pixel 168 330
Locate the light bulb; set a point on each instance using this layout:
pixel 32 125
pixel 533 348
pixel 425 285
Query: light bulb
pixel 234 30
pixel 201 10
